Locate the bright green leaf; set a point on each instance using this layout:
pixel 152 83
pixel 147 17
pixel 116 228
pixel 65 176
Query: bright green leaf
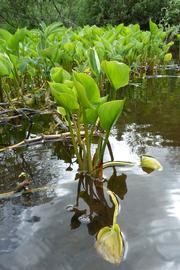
pixel 109 113
pixel 82 95
pixel 117 73
pixel 90 86
pixel 94 61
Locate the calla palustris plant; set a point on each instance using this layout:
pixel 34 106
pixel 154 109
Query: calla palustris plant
pixel 80 96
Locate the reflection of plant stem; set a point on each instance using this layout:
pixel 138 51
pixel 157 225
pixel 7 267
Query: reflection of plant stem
pixel 110 150
pixel 73 141
pixel 116 205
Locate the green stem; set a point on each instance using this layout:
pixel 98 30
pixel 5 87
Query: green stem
pixel 104 145
pixel 88 143
pixel 74 142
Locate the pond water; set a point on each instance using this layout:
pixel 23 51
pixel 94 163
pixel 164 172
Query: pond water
pixel 42 230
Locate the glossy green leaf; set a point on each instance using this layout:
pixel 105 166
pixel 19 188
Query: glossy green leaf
pixel 82 95
pixel 5 65
pixel 59 75
pixel 91 116
pixel 90 86
pixel 109 113
pixel 117 73
pixel 64 96
pixel 153 27
pixel 4 34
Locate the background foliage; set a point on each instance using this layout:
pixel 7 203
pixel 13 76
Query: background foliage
pixel 30 13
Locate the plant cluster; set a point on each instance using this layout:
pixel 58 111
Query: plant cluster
pixel 27 56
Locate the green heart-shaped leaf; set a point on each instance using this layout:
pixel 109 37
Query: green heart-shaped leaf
pixel 109 113
pixel 117 73
pixel 90 86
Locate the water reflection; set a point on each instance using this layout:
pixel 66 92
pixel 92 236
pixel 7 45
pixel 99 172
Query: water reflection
pixel 98 210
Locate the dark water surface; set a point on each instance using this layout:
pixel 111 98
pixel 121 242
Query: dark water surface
pixel 38 233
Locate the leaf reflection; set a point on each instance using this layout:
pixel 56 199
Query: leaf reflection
pixel 102 211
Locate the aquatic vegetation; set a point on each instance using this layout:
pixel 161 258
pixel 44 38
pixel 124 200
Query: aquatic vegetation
pixel 83 107
pixel 32 54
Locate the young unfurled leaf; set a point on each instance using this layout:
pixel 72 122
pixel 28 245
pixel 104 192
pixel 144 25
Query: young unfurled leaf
pixel 117 73
pixel 109 113
pixel 94 61
pixel 150 163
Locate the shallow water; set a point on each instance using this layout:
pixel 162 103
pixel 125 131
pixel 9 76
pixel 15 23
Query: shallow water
pixel 38 231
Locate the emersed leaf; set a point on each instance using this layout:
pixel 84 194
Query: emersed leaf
pixel 59 75
pixel 82 95
pixel 90 86
pixel 109 113
pixel 94 61
pixel 4 34
pixel 167 57
pixel 153 27
pixel 64 96
pixel 6 65
pixel 117 73
pixel 91 116
pixel 150 163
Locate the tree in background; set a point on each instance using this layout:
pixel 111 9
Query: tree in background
pixel 30 13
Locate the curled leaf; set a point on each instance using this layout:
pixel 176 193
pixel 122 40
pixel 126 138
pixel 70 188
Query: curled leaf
pixel 109 244
pixel 151 163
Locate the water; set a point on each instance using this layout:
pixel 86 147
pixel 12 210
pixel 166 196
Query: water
pixel 44 230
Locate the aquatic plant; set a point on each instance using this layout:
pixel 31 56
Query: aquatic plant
pixel 83 107
pixel 34 52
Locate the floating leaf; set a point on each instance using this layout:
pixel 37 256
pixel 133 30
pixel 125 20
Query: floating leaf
pixel 109 113
pixel 109 244
pixel 150 163
pixel 117 73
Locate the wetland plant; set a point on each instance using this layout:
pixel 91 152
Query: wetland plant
pixel 85 110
